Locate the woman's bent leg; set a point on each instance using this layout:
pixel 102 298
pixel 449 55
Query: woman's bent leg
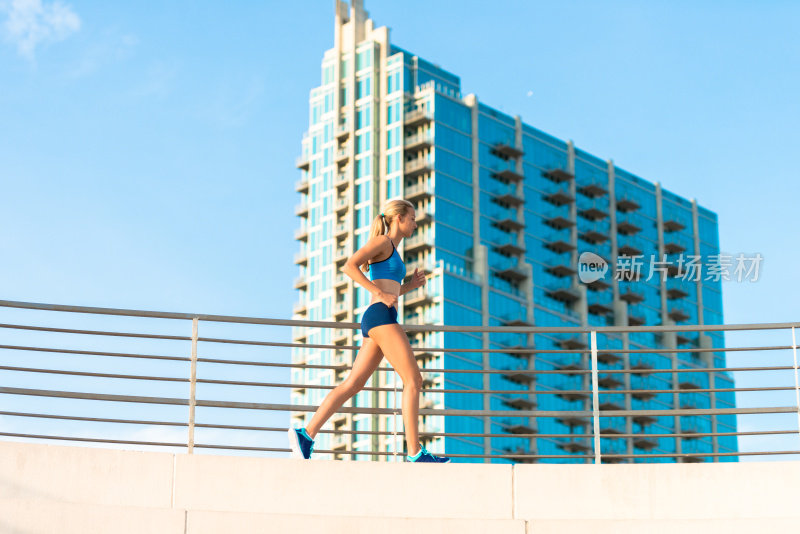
pixel 367 360
pixel 394 344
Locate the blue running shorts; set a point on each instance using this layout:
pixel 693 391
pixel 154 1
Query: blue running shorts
pixel 376 315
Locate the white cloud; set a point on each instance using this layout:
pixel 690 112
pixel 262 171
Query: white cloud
pixel 32 22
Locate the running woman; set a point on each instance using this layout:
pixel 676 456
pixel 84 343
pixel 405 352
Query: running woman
pixel 382 335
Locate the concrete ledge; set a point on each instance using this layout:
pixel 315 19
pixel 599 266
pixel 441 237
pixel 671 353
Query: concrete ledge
pixel 53 488
pixel 84 474
pixel 657 491
pixel 244 523
pixel 32 516
pixel 371 489
pixel 664 526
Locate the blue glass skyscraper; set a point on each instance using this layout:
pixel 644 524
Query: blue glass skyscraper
pixel 505 211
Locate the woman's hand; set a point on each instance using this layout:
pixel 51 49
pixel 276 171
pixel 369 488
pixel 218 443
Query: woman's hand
pixel 418 279
pixel 390 299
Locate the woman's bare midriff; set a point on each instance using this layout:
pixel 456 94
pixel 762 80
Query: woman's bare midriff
pixel 387 286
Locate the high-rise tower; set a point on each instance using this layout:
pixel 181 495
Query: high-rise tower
pixel 504 213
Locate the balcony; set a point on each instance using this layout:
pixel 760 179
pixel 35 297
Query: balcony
pixel 630 246
pixel 342 131
pixel 507 151
pixel 572 343
pixel 508 198
pixel 573 421
pixel 419 141
pixel 609 382
pixel 521 429
pixel 340 255
pixel 572 396
pixel 299 308
pixel 508 176
pixel 599 308
pixel 342 156
pixel 509 246
pixel 559 196
pixel 645 443
pixel 610 407
pixel 417 297
pixel 301 258
pixel 340 308
pixel 341 182
pixel 628 274
pixel 342 229
pixel 593 190
pixel 300 282
pixel 301 185
pixel 608 358
pixel 598 285
pixel 417 117
pixel 593 210
pixel 673 225
pixel 559 175
pixel 643 396
pixel 626 204
pixel 301 234
pixel 687 385
pixel 564 293
pixel 595 235
pixel 520 403
pixel 575 446
pixel 644 420
pixel 558 220
pixel 636 320
pixel 509 224
pixel 303 162
pixel 559 243
pixel 512 274
pixel 626 226
pixel 678 315
pixel 516 321
pixel 632 296
pixel 642 368
pixel 418 191
pixel 520 376
pixel 301 210
pixel 426 267
pixel 676 289
pixel 561 270
pixel 675 270
pixel 519 455
pixel 416 167
pixel 674 247
pixel 340 280
pixel 418 243
pixel 341 205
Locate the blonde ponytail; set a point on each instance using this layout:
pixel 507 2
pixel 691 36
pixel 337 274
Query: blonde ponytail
pixel 383 221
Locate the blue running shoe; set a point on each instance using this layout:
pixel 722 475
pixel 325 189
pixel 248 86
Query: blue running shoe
pixel 301 443
pixel 424 456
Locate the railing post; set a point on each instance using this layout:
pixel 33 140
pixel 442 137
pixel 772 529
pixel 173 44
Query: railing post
pixel 394 414
pixel 796 380
pixel 192 385
pixel 595 399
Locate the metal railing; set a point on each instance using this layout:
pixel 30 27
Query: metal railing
pixel 37 360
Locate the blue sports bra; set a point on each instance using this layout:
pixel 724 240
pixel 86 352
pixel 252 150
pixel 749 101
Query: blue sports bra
pixel 392 268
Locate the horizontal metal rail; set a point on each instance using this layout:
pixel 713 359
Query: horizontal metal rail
pixel 518 422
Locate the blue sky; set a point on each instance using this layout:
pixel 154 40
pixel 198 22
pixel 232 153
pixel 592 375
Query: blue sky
pixel 147 150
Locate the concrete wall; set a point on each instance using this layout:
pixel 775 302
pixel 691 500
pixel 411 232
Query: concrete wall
pixel 49 488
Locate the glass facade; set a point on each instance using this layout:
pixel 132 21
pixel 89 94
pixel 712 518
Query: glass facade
pixel 504 213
